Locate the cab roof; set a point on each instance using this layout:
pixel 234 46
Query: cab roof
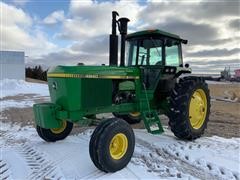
pixel 156 32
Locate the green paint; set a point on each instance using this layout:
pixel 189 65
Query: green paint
pixel 45 115
pixel 127 86
pixel 153 32
pixel 152 122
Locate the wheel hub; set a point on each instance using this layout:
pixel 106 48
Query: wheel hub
pixel 118 146
pixel 61 129
pixel 134 114
pixel 197 108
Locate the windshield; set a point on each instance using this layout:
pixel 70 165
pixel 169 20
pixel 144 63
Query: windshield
pixel 150 52
pixel 144 52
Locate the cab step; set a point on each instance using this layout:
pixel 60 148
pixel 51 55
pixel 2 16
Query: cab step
pixel 152 122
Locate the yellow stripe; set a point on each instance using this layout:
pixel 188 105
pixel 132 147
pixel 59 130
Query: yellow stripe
pixel 91 76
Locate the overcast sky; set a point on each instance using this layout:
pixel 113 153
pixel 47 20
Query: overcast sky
pixel 67 32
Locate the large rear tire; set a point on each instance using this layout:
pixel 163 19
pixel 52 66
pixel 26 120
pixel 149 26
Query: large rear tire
pixel 189 108
pixel 112 145
pixel 55 134
pixel 131 118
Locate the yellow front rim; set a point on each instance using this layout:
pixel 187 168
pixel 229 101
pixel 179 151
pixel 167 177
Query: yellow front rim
pixel 118 146
pixel 61 129
pixel 198 109
pixel 134 114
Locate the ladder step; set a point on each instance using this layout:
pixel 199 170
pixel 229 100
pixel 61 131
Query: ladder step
pixel 152 122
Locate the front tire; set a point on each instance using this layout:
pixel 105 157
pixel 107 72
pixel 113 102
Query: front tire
pixel 189 108
pixel 55 134
pixel 112 145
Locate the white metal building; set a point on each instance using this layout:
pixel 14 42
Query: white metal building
pixel 12 65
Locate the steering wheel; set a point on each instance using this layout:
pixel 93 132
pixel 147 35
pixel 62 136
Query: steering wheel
pixel 158 63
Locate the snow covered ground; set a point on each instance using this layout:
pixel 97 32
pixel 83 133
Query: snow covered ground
pixel 28 93
pixel 11 87
pixel 221 82
pixel 23 155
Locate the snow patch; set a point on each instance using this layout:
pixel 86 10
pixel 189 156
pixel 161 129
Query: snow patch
pixel 217 157
pixel 12 87
pixel 221 82
pixel 155 157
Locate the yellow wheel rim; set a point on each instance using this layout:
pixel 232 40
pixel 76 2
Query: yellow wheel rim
pixel 198 109
pixel 61 129
pixel 134 114
pixel 118 146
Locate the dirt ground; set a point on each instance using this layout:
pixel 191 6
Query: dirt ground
pixel 224 118
pixel 225 90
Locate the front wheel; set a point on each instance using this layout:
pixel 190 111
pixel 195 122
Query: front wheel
pixel 189 108
pixel 112 145
pixel 55 134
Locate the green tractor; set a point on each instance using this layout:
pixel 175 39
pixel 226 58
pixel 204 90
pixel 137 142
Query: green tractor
pixel 145 84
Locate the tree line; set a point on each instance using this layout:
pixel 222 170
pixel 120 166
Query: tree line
pixel 36 73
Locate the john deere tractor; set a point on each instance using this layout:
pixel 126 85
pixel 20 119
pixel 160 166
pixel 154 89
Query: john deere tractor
pixel 142 86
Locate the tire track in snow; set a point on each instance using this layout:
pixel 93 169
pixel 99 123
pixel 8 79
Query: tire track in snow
pixel 9 139
pixel 5 172
pixel 156 157
pixel 177 150
pixel 94 175
pixel 39 164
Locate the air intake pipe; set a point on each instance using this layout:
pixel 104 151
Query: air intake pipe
pixel 113 42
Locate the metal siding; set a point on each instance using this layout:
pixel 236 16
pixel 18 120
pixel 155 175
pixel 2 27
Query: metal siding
pixel 12 65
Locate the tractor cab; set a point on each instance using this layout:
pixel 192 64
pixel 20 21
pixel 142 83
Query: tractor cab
pixel 153 48
pixel 158 54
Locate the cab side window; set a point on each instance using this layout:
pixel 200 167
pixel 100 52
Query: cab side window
pixel 172 55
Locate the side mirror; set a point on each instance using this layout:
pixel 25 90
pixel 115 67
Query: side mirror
pixel 186 65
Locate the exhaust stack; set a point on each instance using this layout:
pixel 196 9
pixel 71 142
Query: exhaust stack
pixel 123 22
pixel 113 40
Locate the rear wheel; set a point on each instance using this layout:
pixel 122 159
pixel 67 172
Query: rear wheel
pixel 55 134
pixel 112 145
pixel 189 108
pixel 131 118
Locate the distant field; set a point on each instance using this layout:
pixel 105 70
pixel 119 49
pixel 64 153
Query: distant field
pixel 225 90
